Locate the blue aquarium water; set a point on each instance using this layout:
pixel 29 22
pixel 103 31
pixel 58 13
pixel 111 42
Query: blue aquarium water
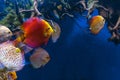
pixel 78 54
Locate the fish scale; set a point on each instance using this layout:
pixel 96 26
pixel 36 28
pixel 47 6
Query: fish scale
pixel 10 58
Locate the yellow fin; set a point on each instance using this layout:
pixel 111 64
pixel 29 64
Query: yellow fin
pixel 18 50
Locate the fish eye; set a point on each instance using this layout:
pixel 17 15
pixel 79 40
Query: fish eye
pixel 47 29
pixel 47 57
pixel 11 74
pixel 9 32
pixel 103 19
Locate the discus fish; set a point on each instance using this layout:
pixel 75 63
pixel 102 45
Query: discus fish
pixel 39 58
pixel 12 75
pixel 11 57
pixel 36 31
pixel 5 33
pixel 96 24
pixel 56 33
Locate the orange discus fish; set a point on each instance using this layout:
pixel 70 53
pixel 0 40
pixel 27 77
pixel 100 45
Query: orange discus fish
pixel 12 75
pixel 96 24
pixel 36 32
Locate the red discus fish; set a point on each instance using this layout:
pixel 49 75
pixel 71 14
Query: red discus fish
pixel 96 24
pixel 36 32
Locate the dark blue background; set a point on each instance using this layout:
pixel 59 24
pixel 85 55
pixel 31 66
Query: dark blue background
pixel 78 55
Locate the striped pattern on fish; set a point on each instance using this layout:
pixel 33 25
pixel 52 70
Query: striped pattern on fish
pixel 11 57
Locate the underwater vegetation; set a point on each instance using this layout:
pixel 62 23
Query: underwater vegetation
pixel 28 25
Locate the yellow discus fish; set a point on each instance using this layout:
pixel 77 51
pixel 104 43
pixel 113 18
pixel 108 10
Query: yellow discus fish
pixel 12 75
pixel 96 24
